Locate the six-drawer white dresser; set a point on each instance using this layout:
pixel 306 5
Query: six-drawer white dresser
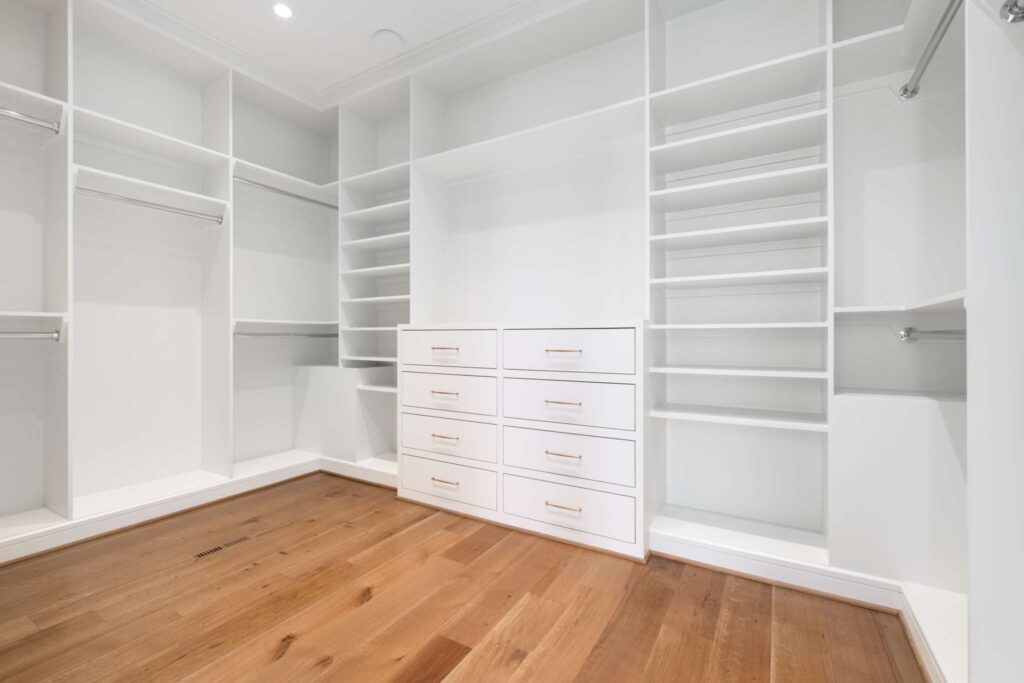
pixel 538 427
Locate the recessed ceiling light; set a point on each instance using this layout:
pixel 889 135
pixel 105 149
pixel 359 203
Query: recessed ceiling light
pixel 282 10
pixel 389 40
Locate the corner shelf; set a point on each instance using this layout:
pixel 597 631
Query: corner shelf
pixel 371 300
pixel 255 173
pixel 380 181
pixel 260 325
pixel 747 417
pixel 383 214
pixel 379 271
pixel 396 240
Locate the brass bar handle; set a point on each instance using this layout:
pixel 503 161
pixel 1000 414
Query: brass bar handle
pixel 444 393
pixel 444 348
pixel 445 437
pixel 568 508
pixel 563 350
pixel 444 481
pixel 563 403
pixel 563 455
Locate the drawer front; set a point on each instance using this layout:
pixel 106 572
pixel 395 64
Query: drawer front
pixel 572 455
pixel 610 350
pixel 459 393
pixel 452 482
pixel 459 438
pixel 451 348
pixel 595 512
pixel 593 404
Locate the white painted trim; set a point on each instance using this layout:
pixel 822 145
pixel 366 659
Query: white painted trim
pixel 925 653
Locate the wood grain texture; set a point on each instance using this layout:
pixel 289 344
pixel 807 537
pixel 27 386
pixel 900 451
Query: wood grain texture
pixel 339 580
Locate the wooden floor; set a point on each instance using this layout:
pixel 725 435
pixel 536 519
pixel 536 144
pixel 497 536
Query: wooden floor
pixel 328 579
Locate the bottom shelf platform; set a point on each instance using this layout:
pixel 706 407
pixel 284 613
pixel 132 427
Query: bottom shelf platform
pixel 723 532
pixel 28 522
pixel 145 492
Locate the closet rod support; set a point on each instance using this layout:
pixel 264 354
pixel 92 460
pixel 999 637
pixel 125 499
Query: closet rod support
pixel 286 193
pixel 32 120
pixel 219 220
pixel 52 336
pixel 913 86
pixel 912 334
pixel 1012 12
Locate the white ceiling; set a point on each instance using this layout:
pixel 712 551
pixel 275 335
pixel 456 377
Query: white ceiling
pixel 328 42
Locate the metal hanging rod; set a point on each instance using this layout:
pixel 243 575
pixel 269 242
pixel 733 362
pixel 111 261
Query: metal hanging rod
pixel 286 193
pixel 213 218
pixel 25 118
pixel 912 334
pixel 1013 11
pixel 52 336
pixel 313 335
pixel 913 86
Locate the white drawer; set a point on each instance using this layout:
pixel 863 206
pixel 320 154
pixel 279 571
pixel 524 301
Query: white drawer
pixel 453 482
pixel 594 404
pixel 610 350
pixel 586 457
pixel 460 393
pixel 595 512
pixel 453 348
pixel 450 437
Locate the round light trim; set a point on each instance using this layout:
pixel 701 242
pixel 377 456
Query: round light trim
pixel 282 10
pixel 389 40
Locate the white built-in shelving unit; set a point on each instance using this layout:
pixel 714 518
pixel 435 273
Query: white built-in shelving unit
pixel 752 186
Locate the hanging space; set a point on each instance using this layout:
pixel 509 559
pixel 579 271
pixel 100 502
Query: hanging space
pixel 34 227
pixel 739 277
pixel 150 330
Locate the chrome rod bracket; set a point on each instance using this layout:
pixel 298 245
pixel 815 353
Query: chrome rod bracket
pixel 909 335
pixel 1012 12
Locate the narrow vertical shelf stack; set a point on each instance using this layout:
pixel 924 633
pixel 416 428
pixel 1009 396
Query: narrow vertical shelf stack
pixel 739 277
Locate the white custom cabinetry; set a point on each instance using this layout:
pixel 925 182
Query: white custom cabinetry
pixel 535 443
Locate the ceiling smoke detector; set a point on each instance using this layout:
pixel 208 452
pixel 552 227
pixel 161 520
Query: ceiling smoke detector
pixel 389 40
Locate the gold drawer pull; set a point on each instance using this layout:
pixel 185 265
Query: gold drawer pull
pixel 444 348
pixel 563 350
pixel 563 403
pixel 444 481
pixel 445 437
pixel 564 455
pixel 443 393
pixel 562 507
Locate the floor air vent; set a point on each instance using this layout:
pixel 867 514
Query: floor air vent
pixel 218 548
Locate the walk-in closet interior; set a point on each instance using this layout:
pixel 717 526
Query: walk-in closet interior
pixel 758 214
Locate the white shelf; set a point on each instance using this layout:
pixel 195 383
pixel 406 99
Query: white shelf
pixel 286 183
pixel 776 231
pixel 380 181
pixel 788 182
pixel 768 277
pixel 373 300
pixel 874 55
pixel 367 330
pixel 558 141
pixel 370 359
pixel 771 81
pixel 34 319
pixel 778 373
pixel 31 104
pixel 258 325
pixel 113 183
pixel 271 463
pixel 113 130
pixel 146 493
pixel 376 388
pixel 954 302
pixel 384 214
pixel 889 394
pixel 378 271
pixel 395 240
pixel 28 522
pixel 760 139
pixel 724 532
pixel 739 326
pixel 942 616
pixel 746 417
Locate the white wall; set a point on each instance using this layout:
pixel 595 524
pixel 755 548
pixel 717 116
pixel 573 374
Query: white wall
pixel 995 271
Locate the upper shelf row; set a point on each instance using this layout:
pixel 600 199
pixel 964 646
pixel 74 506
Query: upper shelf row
pixel 587 58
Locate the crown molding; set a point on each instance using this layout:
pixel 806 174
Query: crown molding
pixel 506 21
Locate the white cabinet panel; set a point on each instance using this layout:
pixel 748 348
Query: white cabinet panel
pixel 451 348
pixel 571 350
pixel 459 393
pixel 595 512
pixel 460 438
pixel 453 482
pixel 572 455
pixel 593 404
